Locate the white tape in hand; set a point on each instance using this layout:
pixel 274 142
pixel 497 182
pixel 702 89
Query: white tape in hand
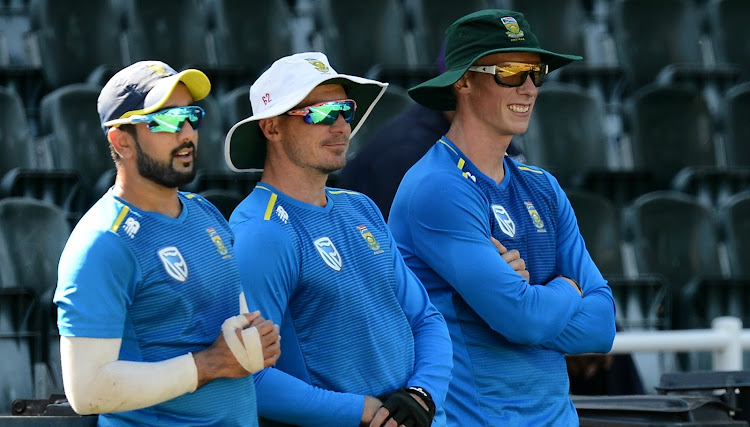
pixel 249 354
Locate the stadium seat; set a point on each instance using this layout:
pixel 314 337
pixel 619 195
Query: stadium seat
pixel 651 35
pixel 16 380
pixel 15 137
pixel 357 39
pixel 75 39
pixel 673 237
pixel 567 119
pixel 211 137
pixel 712 185
pixel 37 231
pixel 670 128
pixel 394 101
pixel 432 17
pixel 224 200
pixel 235 106
pixel 727 22
pixel 173 32
pixel 249 36
pixel 71 125
pixel 599 223
pixel 664 41
pixel 734 223
pixel 737 125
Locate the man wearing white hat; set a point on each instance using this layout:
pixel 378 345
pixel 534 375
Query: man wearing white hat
pixel 362 343
pixel 148 294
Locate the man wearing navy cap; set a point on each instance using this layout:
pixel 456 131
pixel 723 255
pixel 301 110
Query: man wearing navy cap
pixel 148 278
pixel 512 315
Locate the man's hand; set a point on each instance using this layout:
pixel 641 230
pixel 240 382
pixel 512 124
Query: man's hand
pixel 218 361
pixel 512 257
pixel 404 408
pixel 372 405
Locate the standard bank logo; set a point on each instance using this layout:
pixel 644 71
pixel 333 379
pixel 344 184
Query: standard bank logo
pixel 174 263
pixel 504 221
pixel 329 253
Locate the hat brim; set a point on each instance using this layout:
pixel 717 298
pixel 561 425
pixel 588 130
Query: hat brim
pixel 244 145
pixel 196 82
pixel 436 93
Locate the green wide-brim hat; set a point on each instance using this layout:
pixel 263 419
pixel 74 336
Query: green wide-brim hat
pixel 474 36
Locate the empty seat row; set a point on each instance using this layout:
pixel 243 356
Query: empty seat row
pixel 665 137
pixel 689 262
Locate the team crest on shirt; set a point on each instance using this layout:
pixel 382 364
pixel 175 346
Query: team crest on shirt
pixel 329 253
pixel 504 220
pixel 370 239
pixel 538 223
pixel 174 263
pixel 220 247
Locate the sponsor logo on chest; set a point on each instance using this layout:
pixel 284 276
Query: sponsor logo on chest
pixel 504 220
pixel 329 253
pixel 174 263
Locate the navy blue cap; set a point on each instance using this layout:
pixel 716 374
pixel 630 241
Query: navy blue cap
pixel 143 88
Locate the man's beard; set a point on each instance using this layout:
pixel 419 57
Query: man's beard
pixel 164 174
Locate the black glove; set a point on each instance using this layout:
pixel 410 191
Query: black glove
pixel 405 410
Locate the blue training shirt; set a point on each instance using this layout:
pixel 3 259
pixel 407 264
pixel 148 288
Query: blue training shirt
pixel 354 319
pixel 164 286
pixel 509 336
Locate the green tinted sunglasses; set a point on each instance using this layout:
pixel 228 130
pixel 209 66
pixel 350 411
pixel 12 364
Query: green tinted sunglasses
pixel 326 112
pixel 171 119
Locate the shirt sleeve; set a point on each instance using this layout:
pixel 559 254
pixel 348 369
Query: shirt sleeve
pixel 433 351
pixel 447 219
pixel 269 272
pixel 285 398
pixel 592 328
pixel 97 276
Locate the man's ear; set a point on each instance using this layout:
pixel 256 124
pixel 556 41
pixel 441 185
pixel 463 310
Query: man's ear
pixel 122 142
pixel 270 128
pixel 462 84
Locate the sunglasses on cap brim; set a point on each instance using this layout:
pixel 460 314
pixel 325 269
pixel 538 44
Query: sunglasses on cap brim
pixel 514 74
pixel 171 119
pixel 326 113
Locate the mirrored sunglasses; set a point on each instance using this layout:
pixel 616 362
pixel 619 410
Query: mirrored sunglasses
pixel 171 119
pixel 326 112
pixel 513 74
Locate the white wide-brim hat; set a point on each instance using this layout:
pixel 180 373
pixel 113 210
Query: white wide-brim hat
pixel 279 89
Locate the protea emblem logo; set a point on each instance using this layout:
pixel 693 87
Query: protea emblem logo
pixel 174 263
pixel 318 64
pixel 504 221
pixel 328 252
pixel 514 30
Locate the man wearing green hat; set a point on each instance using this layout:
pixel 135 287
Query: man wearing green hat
pixel 512 316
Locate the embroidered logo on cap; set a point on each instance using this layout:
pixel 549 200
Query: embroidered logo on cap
pixel 158 69
pixel 514 30
pixel 318 64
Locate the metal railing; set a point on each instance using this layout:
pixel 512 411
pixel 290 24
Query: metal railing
pixel 726 340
